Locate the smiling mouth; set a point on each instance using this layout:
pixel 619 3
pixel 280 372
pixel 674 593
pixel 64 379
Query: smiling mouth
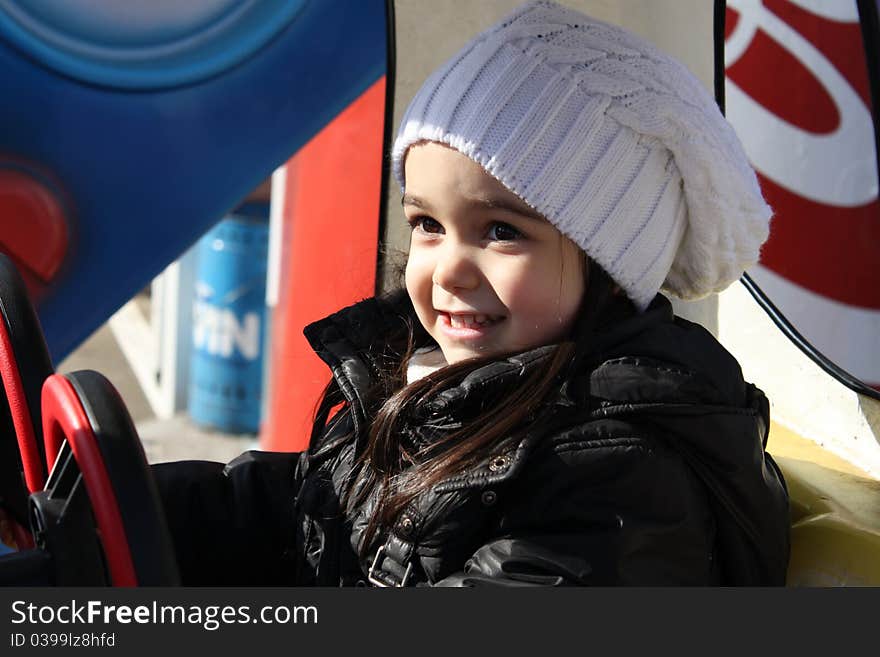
pixel 475 321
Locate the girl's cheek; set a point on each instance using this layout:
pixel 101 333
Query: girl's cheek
pixel 417 276
pixel 410 279
pixel 523 282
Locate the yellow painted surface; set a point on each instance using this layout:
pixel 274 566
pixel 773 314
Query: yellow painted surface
pixel 835 512
pixel 786 443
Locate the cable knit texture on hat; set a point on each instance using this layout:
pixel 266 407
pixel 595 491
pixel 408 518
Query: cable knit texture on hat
pixel 617 144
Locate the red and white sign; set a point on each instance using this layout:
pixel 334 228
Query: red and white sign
pixel 797 93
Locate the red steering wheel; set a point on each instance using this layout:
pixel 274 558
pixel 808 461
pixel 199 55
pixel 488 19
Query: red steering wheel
pixel 87 411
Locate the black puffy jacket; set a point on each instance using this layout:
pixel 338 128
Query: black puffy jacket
pixel 650 471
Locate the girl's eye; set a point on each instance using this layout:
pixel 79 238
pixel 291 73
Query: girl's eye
pixel 501 232
pixel 426 225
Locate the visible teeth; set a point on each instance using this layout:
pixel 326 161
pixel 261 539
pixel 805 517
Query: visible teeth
pixel 470 321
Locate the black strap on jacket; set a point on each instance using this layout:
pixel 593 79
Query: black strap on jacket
pixel 393 564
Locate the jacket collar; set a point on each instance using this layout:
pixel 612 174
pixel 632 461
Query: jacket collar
pixel 650 360
pixel 361 341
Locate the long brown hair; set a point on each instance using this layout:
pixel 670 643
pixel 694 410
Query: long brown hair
pixel 385 467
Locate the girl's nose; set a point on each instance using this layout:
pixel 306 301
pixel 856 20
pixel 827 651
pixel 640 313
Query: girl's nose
pixel 456 269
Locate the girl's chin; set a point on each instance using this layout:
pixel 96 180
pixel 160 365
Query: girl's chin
pixel 457 353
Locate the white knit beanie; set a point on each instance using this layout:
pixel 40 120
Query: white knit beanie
pixel 618 145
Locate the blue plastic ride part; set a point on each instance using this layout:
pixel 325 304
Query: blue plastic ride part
pixel 156 118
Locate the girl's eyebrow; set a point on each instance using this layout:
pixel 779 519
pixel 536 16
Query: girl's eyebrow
pixel 409 199
pixel 503 204
pixel 487 202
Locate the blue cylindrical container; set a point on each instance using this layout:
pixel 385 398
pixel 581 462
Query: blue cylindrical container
pixel 229 311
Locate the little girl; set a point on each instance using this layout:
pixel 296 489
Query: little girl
pixel 528 411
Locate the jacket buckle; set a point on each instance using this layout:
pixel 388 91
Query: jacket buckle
pixel 376 571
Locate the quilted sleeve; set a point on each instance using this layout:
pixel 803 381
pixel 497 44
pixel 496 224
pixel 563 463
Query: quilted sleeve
pixel 230 524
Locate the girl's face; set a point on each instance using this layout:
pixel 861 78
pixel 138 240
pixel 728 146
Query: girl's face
pixel 486 273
